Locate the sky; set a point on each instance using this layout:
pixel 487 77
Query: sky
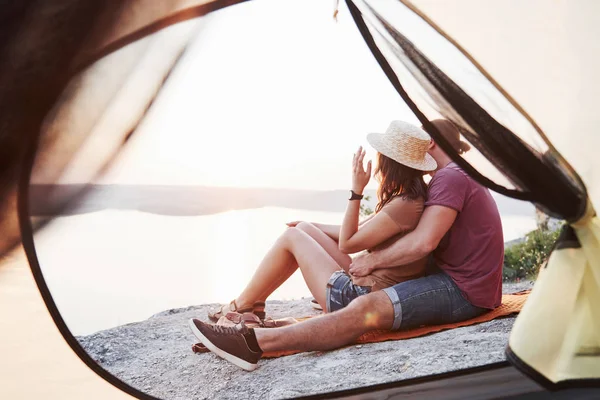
pixel 272 93
pixel 276 94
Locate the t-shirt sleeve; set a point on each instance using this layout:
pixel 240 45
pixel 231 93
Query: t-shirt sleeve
pixel 448 188
pixel 405 213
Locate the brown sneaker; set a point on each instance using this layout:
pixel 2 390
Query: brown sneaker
pixel 236 344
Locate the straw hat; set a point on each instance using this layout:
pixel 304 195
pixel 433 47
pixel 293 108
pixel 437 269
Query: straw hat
pixel 406 144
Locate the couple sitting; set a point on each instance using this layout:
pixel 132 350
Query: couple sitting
pixel 434 255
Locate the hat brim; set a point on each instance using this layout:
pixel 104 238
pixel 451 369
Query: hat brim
pixel 379 143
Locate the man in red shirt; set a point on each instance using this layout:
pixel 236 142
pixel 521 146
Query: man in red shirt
pixel 462 230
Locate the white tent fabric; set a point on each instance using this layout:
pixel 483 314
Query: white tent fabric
pixel 104 103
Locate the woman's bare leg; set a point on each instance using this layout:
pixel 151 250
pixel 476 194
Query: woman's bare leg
pixel 328 244
pixel 295 248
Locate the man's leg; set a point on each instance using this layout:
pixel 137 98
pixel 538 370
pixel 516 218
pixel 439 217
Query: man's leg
pixel 244 347
pixel 333 330
pixel 434 299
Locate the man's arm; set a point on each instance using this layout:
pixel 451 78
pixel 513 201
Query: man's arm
pixel 433 225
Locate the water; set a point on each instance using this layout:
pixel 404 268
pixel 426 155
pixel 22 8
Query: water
pixel 112 267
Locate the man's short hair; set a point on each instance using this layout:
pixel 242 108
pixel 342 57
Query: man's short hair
pixel 451 134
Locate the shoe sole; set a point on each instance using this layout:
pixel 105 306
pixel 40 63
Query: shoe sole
pixel 316 305
pixel 223 354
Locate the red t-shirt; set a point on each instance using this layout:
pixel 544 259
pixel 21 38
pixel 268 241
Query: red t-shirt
pixel 472 251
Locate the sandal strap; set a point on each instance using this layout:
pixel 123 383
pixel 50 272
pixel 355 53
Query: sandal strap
pixel 199 348
pixel 234 307
pixel 246 318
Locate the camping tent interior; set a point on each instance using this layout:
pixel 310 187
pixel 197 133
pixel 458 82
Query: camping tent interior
pixel 528 68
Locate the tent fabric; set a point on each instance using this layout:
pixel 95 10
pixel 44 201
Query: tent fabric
pixel 131 20
pixel 74 35
pixel 524 60
pixel 101 106
pixel 559 192
pixel 546 56
pixel 559 340
pixel 535 168
pixel 36 361
pixel 30 79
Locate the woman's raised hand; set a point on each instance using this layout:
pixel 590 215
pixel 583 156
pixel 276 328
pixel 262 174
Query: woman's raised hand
pixel 292 224
pixel 360 177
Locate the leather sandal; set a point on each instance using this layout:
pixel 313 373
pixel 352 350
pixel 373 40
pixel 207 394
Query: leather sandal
pixel 233 318
pixel 278 323
pixel 214 316
pixel 258 309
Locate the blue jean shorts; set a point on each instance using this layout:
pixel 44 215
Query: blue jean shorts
pixel 341 291
pixel 432 300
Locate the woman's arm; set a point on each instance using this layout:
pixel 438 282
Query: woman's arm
pixel 380 228
pixel 360 178
pixel 333 231
pixel 399 215
pixel 364 221
pixel 350 226
pixel 435 222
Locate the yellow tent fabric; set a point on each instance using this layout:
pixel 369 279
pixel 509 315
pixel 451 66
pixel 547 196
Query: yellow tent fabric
pixel 558 333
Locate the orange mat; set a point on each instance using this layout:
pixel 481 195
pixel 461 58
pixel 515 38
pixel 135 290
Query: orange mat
pixel 511 304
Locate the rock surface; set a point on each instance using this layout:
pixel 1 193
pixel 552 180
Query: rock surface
pixel 155 357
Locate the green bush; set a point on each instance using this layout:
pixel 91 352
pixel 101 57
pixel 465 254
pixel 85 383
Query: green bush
pixel 365 210
pixel 523 260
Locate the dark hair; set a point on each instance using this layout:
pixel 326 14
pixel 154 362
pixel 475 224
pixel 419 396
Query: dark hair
pixel 396 179
pixel 452 134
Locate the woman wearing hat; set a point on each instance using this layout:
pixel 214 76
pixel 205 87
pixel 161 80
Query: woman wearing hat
pixel 322 251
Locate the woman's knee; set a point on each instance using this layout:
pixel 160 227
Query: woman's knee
pixel 306 227
pixel 292 235
pixel 311 230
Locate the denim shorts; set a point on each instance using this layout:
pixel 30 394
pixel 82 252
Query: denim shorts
pixel 432 300
pixel 341 291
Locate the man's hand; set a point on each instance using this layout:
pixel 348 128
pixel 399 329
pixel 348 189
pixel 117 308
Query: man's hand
pixel 361 265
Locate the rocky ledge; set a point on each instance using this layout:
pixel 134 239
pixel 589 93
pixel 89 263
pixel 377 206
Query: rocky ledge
pixel 155 356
